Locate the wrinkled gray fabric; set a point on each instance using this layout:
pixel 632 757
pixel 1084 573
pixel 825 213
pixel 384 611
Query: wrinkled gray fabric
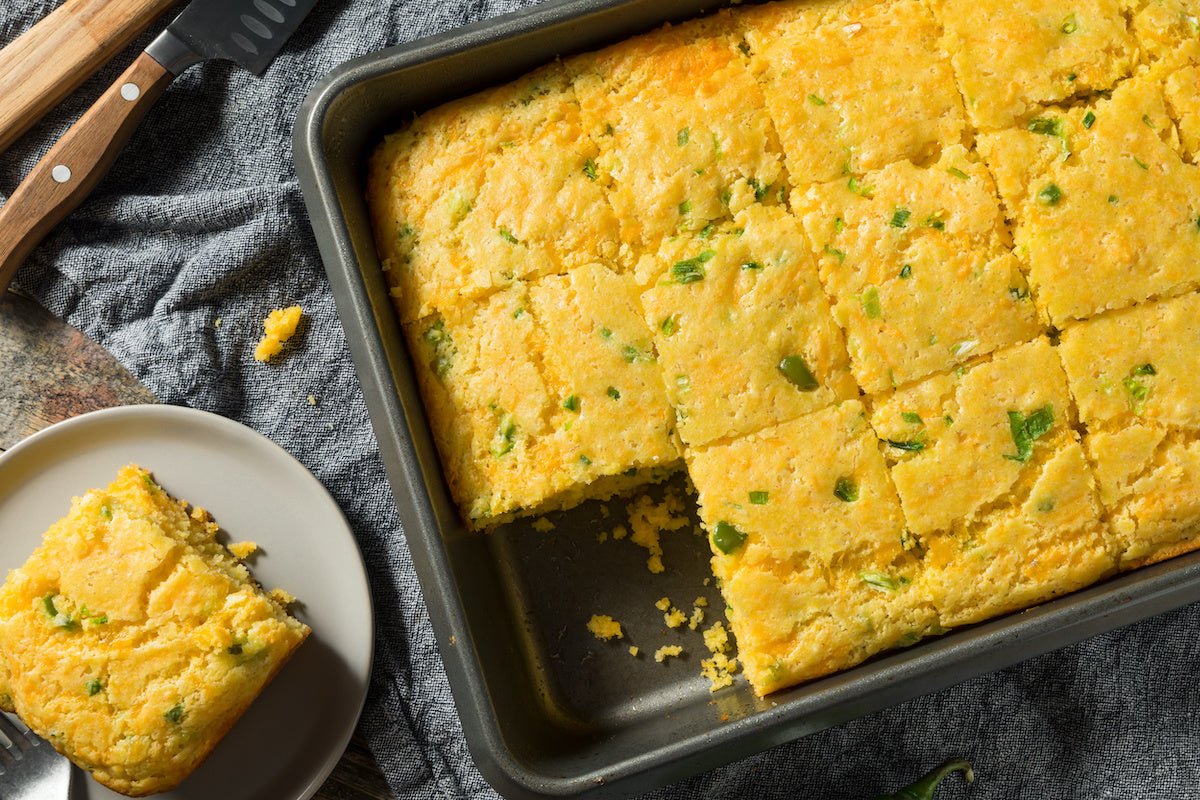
pixel 201 218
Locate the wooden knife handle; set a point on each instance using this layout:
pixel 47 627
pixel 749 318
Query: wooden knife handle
pixel 73 167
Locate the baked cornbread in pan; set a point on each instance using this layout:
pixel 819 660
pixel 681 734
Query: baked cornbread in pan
pixel 849 252
pixel 133 640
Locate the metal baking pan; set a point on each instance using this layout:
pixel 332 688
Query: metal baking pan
pixel 548 710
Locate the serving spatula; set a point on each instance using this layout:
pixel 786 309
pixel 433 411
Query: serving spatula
pixel 247 32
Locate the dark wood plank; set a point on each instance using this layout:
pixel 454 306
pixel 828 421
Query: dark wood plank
pixel 53 372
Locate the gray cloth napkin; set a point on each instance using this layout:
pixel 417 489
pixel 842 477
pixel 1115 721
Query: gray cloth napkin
pixel 201 219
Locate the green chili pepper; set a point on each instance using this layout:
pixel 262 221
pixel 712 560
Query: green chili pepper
pixel 924 788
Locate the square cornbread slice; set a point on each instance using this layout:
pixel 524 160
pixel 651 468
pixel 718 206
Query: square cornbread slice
pixel 1103 201
pixel 1134 376
pixel 134 640
pixel 441 192
pixel 918 264
pixel 743 331
pixel 682 131
pixel 579 413
pixel 868 86
pixel 994 485
pixel 806 532
pixel 1013 57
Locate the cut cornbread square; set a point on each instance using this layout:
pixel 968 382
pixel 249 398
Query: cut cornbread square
pixel 1134 377
pixel 917 262
pixel 1104 205
pixel 728 308
pixel 561 427
pixel 806 531
pixel 994 484
pixel 134 640
pixel 442 189
pixel 868 87
pixel 1012 57
pixel 600 359
pixel 683 135
pixel 1164 27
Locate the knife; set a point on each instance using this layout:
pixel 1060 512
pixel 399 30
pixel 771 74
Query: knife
pixel 247 32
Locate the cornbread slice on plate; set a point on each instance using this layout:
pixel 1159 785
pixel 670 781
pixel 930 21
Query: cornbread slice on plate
pixel 134 640
pixel 682 130
pixel 806 532
pixel 1012 57
pixel 1134 376
pixel 744 333
pixel 869 86
pixel 441 193
pixel 1104 203
pixel 918 264
pixel 996 491
pixel 580 411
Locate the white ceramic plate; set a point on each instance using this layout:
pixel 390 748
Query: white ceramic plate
pixel 290 739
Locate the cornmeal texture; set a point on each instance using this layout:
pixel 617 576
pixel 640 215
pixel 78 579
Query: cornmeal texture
pixel 909 287
pixel 133 640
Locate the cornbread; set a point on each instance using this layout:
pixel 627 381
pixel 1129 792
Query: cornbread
pixel 996 492
pixel 727 308
pixel 1012 57
pixel 279 326
pixel 909 286
pixel 682 130
pixel 581 411
pixel 834 90
pixel 1133 374
pixel 919 266
pixel 805 528
pixel 1105 204
pixel 134 640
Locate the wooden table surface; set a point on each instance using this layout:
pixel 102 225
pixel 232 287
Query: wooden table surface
pixel 53 372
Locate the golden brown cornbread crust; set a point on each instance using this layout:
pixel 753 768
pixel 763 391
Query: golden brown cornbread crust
pixel 850 227
pixel 133 640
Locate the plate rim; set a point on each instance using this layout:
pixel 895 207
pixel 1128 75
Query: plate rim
pixel 168 410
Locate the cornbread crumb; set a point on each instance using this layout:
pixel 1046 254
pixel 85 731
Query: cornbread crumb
pixel 702 602
pixel 663 604
pixel 697 618
pixel 604 627
pixel 633 651
pixel 674 618
pixel 217 322
pixel 720 668
pixel 279 326
pixel 243 550
pixel 602 537
pixel 667 651
pixel 282 596
pixel 312 401
pixel 543 525
pixel 620 532
pixel 649 519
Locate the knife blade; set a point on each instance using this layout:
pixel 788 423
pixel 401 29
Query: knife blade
pixel 249 33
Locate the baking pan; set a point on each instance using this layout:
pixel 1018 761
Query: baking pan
pixel 549 711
